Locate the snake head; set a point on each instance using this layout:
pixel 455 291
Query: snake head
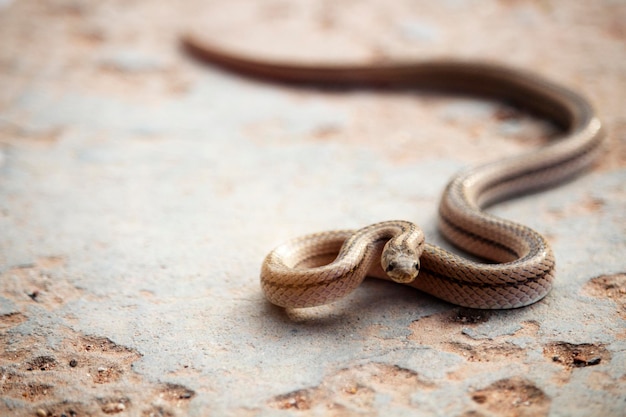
pixel 401 266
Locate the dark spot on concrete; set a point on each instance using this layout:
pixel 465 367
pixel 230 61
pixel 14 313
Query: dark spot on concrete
pixel 299 400
pixel 33 295
pixel 471 316
pixel 11 320
pixel 486 352
pixel 572 355
pixel 43 363
pixel 104 345
pixel 175 392
pixel 479 398
pixel 612 287
pixel 513 397
pixel 580 362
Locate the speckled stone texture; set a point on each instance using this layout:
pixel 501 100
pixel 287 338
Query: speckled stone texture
pixel 140 191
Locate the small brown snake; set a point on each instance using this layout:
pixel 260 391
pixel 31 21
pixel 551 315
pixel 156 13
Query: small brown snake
pixel 323 267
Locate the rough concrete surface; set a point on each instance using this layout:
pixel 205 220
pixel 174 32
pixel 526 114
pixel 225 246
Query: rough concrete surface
pixel 140 191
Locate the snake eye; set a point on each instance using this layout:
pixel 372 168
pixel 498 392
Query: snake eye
pixel 390 267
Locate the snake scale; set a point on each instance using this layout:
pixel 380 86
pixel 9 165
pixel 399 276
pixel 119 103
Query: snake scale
pixel 519 265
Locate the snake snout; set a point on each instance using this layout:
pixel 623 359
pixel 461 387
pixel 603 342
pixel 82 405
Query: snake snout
pixel 403 269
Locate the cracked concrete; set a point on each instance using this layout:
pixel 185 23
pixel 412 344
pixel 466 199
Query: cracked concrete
pixel 140 191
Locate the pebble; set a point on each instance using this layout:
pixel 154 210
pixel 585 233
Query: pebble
pixel 111 408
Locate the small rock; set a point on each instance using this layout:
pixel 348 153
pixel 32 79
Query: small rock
pixel 112 408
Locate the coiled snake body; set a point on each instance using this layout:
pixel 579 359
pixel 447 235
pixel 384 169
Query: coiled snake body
pixel 323 267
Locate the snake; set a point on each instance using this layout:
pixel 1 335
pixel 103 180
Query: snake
pixel 510 265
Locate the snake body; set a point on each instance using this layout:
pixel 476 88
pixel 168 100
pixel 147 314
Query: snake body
pixel 519 264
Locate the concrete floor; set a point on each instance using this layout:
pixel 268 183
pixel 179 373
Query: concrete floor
pixel 140 191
